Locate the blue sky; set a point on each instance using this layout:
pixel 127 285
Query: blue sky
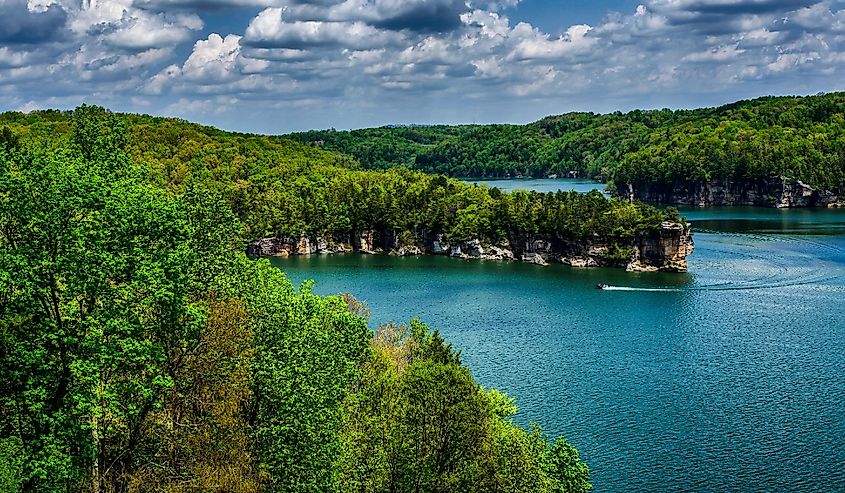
pixel 274 66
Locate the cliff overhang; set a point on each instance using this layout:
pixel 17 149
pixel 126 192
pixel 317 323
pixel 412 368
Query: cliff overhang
pixel 664 248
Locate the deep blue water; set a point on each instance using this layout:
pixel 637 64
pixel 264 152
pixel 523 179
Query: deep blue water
pixel 730 378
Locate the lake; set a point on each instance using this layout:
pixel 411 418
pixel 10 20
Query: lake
pixel 540 184
pixel 729 378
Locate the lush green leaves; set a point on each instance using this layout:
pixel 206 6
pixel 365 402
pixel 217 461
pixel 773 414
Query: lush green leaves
pixel 141 350
pixel 749 140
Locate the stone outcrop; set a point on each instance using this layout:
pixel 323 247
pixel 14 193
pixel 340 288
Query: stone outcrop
pixel 303 245
pixel 366 242
pixel 474 249
pixel 407 251
pixel 665 249
pixel 282 247
pixel 440 245
pixel 779 192
pixel 579 261
pixel 534 258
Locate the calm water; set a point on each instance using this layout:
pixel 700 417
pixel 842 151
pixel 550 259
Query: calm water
pixel 728 379
pixel 541 185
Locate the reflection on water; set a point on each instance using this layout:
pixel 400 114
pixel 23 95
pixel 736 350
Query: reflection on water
pixel 730 378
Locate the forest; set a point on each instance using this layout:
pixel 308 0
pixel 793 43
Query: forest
pixel 798 137
pixel 281 188
pixel 142 350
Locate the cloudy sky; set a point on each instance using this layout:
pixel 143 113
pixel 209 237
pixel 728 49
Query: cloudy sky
pixel 279 65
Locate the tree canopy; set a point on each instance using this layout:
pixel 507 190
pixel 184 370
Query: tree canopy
pixel 141 350
pixel 798 137
pixel 277 187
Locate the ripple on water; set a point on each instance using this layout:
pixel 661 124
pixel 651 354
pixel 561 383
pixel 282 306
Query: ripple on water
pixel 729 379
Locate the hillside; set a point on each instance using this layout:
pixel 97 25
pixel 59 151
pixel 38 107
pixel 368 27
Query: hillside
pixel 282 189
pixel 142 350
pixel 802 138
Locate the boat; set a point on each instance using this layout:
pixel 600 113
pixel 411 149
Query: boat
pixel 601 286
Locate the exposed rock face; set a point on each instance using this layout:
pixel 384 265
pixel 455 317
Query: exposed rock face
pixel 366 242
pixel 579 261
pixel 304 245
pixel 499 253
pixel 475 250
pixel 440 245
pixel 269 247
pixel 470 248
pixel 534 258
pixel 772 192
pixel 282 247
pixel 539 246
pixel 407 251
pixel 665 249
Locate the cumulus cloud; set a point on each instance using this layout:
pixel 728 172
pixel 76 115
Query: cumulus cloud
pixel 413 15
pixel 144 31
pixel 199 5
pixel 22 23
pixel 213 59
pixel 270 30
pixel 364 60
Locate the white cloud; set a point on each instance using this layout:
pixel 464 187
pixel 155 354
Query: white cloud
pixel 534 45
pixel 213 59
pixel 28 107
pixel 717 54
pixel 364 60
pixel 270 30
pixel 144 31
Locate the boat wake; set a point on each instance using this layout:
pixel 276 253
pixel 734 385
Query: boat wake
pixel 630 288
pixel 756 261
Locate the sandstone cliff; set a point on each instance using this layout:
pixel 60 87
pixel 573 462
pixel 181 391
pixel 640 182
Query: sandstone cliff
pixel 664 249
pixel 773 192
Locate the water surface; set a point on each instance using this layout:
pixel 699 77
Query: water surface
pixel 540 184
pixel 730 378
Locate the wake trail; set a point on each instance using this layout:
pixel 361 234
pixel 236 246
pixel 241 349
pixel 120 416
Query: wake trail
pixel 781 276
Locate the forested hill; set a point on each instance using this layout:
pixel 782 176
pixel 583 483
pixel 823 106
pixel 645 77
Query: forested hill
pixel 284 189
pixel 799 137
pixel 141 350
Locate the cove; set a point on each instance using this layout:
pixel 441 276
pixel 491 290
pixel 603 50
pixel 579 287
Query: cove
pixel 728 378
pixel 540 184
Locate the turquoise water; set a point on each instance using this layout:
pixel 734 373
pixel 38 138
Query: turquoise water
pixel 541 184
pixel 730 378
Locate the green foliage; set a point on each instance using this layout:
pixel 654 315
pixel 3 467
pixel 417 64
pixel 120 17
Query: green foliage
pixel 799 137
pixel 141 350
pixel 11 465
pixel 9 142
pixel 308 350
pixel 277 187
pixel 419 422
pixel 97 273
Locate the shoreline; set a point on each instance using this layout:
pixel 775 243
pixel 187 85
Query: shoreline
pixel 663 250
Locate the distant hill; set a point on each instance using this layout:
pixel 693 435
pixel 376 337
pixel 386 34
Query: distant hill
pixel 798 137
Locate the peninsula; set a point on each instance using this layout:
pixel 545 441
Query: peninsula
pixel 770 151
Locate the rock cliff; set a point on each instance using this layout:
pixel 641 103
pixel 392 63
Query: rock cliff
pixel 780 192
pixel 664 249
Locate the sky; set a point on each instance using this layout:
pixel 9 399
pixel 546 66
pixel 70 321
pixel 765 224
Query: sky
pixel 274 66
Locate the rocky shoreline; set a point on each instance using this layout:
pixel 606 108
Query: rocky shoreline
pixel 779 192
pixel 666 249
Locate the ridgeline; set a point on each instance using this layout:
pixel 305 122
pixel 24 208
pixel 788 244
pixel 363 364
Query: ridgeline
pixel 771 151
pixel 291 198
